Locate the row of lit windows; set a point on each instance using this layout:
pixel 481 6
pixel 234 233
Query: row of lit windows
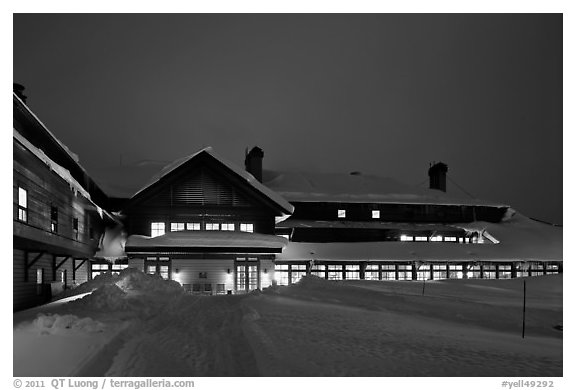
pixel 159 228
pixel 286 274
pixel 438 238
pixel 342 213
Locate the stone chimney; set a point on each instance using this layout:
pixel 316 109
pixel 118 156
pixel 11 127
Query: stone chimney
pixel 437 174
pixel 253 162
pixel 19 91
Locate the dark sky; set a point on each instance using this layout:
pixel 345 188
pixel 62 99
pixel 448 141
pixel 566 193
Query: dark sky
pixel 382 94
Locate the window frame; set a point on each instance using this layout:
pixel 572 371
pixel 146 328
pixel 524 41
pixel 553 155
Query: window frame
pixel 22 204
pixel 154 231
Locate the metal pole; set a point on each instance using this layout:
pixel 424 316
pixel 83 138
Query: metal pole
pixel 524 311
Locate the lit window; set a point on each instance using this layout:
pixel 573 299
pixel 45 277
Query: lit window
pixel 406 238
pixel 450 239
pixel 436 238
pixel 247 227
pixel 193 226
pixel 39 276
pixel 281 274
pixel 176 226
pixel 375 214
pixel 298 271
pixel 341 213
pixel 318 270
pixel 22 204
pixel 467 240
pixel 421 238
pixel 371 272
pixel 352 272
pixel 157 229
pixel 461 239
pixel 228 227
pixel 212 226
pixel 334 272
pixel 54 219
pixel 286 236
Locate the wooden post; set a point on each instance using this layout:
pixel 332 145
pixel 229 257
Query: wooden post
pixel 423 286
pixel 524 311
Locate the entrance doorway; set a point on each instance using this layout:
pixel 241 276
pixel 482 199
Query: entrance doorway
pixel 247 274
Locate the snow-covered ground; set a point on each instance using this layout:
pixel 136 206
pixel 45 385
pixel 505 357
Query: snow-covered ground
pixel 139 325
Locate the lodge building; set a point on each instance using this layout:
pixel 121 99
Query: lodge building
pixel 217 228
pixel 59 213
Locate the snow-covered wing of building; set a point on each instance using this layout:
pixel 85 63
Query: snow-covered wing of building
pixel 521 239
pixel 358 188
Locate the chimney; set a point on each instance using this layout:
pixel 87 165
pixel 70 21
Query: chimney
pixel 253 162
pixel 19 91
pixel 437 174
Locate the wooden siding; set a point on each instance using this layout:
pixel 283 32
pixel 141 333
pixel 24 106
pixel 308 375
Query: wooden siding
pixel 216 272
pixel 45 189
pixel 28 293
pixel 266 272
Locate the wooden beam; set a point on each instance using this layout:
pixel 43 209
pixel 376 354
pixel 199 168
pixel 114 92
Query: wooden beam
pixel 27 264
pixel 63 261
pixel 77 267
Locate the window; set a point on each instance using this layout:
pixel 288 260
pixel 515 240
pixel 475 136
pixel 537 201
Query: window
pixel 341 213
pixel 22 204
pixel 228 227
pixel 176 226
pixel 39 276
pixel 352 272
pixel 449 239
pixel 212 226
pixel 281 274
pixel 75 227
pixel 286 236
pixel 423 272
pixel 455 271
pixel 207 288
pixel 504 271
pixel 220 288
pixel 298 271
pixel 99 269
pixel 371 272
pixel 193 226
pixel 203 275
pixel 439 271
pixel 247 227
pixel 54 219
pixel 375 214
pixel 163 271
pixel 157 229
pixel 334 272
pixel 404 237
pixel 388 272
pixel 489 271
pixel 117 268
pixel 421 238
pixel 436 238
pixel 404 272
pixel 318 270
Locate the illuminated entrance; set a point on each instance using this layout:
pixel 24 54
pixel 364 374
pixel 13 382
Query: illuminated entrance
pixel 247 274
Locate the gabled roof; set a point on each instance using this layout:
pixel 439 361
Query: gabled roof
pixel 241 173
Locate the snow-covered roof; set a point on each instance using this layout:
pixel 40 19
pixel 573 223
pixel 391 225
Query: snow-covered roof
pixel 72 155
pixel 207 239
pixel 521 239
pixel 248 178
pixel 358 188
